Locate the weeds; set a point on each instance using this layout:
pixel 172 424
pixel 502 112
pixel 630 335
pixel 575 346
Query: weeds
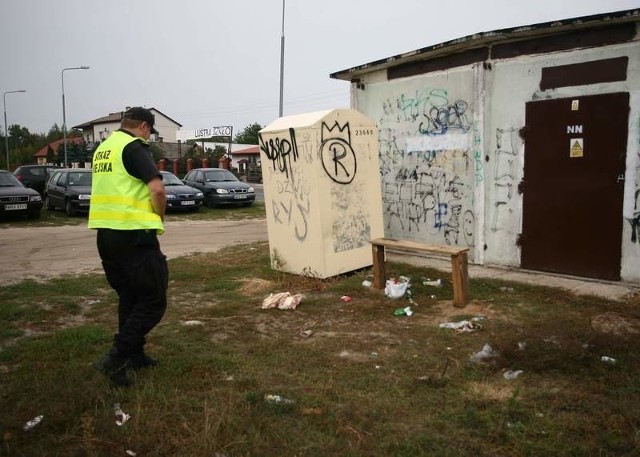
pixel 360 380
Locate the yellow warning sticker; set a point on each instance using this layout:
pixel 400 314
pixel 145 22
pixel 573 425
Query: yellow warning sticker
pixel 576 147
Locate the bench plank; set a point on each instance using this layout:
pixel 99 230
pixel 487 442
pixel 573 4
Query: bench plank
pixel 420 247
pixel 459 264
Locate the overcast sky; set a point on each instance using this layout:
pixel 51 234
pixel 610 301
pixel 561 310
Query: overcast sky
pixel 208 63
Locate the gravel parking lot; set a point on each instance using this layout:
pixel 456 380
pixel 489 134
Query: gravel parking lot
pixel 46 252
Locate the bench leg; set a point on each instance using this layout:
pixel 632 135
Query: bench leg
pixel 460 277
pixel 378 266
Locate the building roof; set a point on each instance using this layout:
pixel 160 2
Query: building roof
pixel 55 144
pixel 117 117
pixel 488 39
pixel 247 151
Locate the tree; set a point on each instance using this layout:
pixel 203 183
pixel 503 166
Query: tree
pixel 249 135
pixel 51 156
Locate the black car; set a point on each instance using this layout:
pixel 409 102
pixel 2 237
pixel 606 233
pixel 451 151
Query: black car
pixel 15 198
pixel 34 176
pixel 69 189
pixel 220 187
pixel 179 195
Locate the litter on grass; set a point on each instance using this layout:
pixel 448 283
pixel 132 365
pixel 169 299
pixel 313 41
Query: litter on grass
pixel 434 283
pixel 32 423
pixel 366 283
pixel 121 416
pixel 607 359
pixel 403 311
pixel 511 374
pixel 282 300
pixel 396 287
pixel 487 352
pixel 464 325
pixel 345 298
pixel 277 400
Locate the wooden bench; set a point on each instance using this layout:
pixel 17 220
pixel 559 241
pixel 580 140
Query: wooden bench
pixel 459 264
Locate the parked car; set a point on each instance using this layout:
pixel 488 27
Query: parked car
pixel 69 189
pixel 15 198
pixel 179 195
pixel 220 187
pixel 34 176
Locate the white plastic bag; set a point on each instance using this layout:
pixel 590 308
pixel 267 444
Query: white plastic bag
pixel 396 288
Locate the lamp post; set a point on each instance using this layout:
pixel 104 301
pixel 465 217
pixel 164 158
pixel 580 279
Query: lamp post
pixel 282 61
pixel 64 115
pixel 6 128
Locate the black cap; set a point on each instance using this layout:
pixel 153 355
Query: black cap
pixel 139 113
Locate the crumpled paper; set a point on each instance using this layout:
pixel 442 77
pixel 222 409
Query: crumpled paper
pixel 282 300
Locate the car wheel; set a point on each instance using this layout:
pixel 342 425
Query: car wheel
pixel 68 209
pixel 209 201
pixel 47 203
pixel 34 214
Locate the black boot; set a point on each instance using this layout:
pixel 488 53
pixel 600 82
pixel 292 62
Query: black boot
pixel 114 366
pixel 140 361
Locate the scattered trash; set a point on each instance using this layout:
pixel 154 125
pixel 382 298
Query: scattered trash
pixel 433 297
pixel 487 352
pixel 277 400
pixel 32 423
pixel 131 453
pixel 403 311
pixel 506 289
pixel 92 302
pixel 282 300
pixel 366 283
pixel 607 359
pixel 434 283
pixel 552 340
pixel 345 298
pixel 121 416
pixel 522 345
pixel 373 355
pixel 510 374
pixel 191 323
pixel 464 325
pixel 306 333
pixel 396 288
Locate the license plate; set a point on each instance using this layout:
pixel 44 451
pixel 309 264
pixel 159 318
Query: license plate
pixel 15 206
pixel 188 202
pixel 240 197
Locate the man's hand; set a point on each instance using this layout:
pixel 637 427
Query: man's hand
pixel 158 196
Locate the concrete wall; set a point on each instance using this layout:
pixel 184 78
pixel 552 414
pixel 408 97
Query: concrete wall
pixel 437 130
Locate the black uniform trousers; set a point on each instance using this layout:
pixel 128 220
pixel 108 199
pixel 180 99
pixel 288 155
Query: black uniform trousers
pixel 137 270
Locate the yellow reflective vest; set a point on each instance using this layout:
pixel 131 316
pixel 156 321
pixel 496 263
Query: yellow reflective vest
pixel 119 201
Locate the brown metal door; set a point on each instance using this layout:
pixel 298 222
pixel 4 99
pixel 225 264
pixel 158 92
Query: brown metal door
pixel 575 151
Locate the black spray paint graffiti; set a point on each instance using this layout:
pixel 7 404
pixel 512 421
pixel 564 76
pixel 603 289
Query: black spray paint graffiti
pixel 291 205
pixel 635 220
pixel 281 151
pixel 423 198
pixel 504 175
pixel 338 158
pixel 440 120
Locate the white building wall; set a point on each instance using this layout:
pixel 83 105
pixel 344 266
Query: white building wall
pixel 451 154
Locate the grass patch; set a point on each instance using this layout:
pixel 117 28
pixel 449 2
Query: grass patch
pixel 353 379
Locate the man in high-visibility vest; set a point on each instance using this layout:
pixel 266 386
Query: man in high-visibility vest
pixel 127 210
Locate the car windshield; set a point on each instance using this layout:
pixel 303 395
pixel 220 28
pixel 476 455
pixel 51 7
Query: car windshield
pixel 80 179
pixel 169 179
pixel 8 180
pixel 219 175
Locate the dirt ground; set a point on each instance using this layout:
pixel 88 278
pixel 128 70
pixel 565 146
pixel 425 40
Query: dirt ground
pixel 46 252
